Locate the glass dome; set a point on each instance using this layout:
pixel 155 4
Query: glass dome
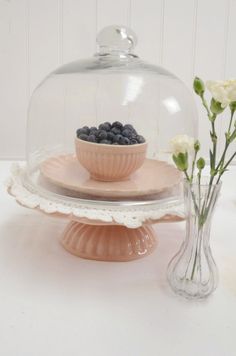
pixel 114 85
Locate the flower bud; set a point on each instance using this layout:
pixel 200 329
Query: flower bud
pixel 216 107
pixel 181 161
pixel 200 163
pixel 198 86
pixel 196 146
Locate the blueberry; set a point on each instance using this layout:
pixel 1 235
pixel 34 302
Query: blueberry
pixel 83 137
pixel 127 133
pixel 96 133
pixel 115 130
pixel 78 132
pixel 133 141
pixel 108 124
pixel 108 133
pixel 118 125
pixel 91 138
pixel 129 127
pixel 133 136
pixel 93 132
pixel 106 142
pixel 102 135
pixel 124 141
pixel 85 130
pixel 110 136
pixel 93 129
pixel 104 127
pixel 117 138
pixel 140 139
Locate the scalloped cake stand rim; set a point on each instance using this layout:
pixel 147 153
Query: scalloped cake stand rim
pixel 103 240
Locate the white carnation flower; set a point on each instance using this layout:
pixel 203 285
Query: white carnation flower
pixel 222 91
pixel 182 144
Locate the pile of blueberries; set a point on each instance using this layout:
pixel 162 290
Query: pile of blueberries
pixel 110 134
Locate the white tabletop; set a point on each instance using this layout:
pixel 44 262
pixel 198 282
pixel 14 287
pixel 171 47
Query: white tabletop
pixel 55 304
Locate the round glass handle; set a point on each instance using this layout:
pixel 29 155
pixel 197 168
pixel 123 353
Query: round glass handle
pixel 116 39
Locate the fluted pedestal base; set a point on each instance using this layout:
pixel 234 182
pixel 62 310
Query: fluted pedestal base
pixel 108 242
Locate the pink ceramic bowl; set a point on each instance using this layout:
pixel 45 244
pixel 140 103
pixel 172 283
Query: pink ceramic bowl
pixel 110 162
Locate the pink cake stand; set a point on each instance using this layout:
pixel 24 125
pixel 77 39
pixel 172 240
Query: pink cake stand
pixel 98 230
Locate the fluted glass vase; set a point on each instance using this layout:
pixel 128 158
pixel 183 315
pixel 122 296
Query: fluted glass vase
pixel 192 272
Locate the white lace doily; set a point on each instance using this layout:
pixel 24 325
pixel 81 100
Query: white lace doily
pixel 130 216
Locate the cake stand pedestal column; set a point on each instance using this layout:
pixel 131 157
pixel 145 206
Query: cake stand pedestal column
pixel 108 242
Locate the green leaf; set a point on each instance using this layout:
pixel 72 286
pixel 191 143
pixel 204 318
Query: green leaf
pixel 198 86
pixel 216 107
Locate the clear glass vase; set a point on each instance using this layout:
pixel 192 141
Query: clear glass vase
pixel 192 272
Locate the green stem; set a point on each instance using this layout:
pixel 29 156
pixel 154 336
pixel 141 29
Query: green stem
pixel 231 120
pixel 212 118
pixel 186 175
pixel 206 107
pixel 198 247
pixel 193 165
pixel 210 186
pixel 192 193
pixel 195 258
pixel 226 165
pixel 230 160
pixel 221 161
pixel 199 188
pixel 227 142
pixel 214 141
pixel 194 264
pixel 206 207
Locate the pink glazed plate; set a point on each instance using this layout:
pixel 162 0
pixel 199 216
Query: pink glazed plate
pixel 153 177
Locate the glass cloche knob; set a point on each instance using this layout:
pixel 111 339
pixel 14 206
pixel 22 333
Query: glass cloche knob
pixel 116 39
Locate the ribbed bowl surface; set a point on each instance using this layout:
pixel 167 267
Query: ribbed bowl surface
pixel 108 162
pixel 108 243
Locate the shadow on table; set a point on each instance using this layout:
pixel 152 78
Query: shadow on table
pixel 32 258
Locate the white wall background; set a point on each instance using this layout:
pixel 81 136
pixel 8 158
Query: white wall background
pixel 186 36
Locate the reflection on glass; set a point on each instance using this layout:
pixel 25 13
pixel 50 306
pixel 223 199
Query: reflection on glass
pixel 133 89
pixel 172 105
